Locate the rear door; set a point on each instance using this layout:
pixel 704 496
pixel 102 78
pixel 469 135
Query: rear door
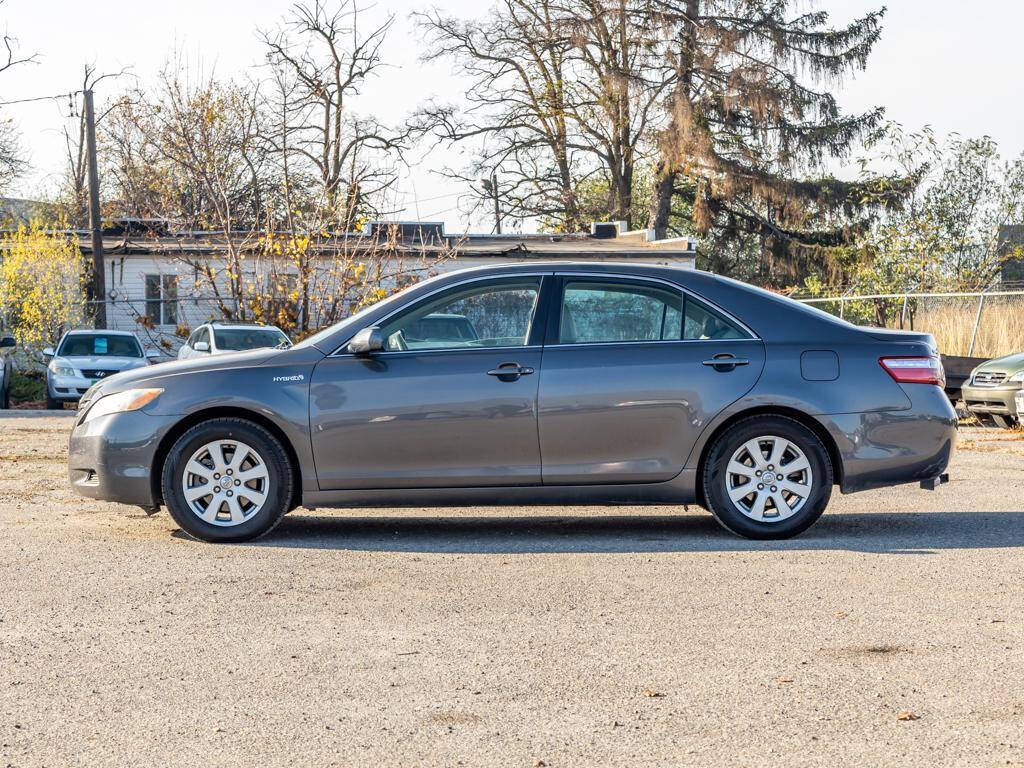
pixel 630 378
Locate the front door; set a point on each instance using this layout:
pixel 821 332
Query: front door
pixel 627 384
pixel 451 402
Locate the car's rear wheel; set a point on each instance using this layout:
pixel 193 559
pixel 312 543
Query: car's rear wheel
pixel 53 404
pixel 227 480
pixel 767 477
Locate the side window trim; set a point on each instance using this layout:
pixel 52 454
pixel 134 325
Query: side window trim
pixel 534 338
pixel 555 307
pixel 554 329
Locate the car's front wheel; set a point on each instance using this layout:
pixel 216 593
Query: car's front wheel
pixel 767 477
pixel 227 480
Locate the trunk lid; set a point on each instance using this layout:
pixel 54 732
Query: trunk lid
pixel 902 337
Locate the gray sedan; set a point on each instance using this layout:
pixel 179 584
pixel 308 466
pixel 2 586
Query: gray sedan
pixel 581 384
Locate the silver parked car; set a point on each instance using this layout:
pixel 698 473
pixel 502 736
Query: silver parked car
pixel 590 383
pixel 84 357
pixel 218 338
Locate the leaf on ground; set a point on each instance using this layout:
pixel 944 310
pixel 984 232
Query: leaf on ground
pixel 784 679
pixel 653 694
pixel 905 715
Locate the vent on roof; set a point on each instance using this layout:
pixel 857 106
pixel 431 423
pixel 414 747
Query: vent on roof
pixel 416 232
pixel 604 230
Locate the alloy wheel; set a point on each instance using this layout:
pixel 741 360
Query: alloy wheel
pixel 769 479
pixel 225 482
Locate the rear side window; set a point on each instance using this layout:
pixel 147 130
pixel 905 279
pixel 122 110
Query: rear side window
pixel 606 311
pixel 702 322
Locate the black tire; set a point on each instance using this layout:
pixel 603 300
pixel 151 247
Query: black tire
pixel 53 404
pixel 5 398
pixel 715 477
pixel 272 455
pixel 1003 422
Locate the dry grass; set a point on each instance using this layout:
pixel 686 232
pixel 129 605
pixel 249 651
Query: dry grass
pixel 1001 331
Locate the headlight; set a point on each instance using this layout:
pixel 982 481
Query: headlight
pixel 129 400
pixel 61 370
pixel 1018 376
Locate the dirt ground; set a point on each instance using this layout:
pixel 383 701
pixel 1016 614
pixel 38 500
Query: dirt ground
pixel 891 634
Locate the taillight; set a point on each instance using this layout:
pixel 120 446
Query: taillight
pixel 915 370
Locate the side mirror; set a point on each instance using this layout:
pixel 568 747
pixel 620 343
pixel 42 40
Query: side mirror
pixel 366 342
pixel 48 352
pixel 152 354
pixel 202 346
pixel 7 341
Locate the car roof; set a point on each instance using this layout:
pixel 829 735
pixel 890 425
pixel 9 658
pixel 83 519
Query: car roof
pixel 95 331
pixel 240 326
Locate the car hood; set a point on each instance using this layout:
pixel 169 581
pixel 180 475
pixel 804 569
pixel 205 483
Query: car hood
pixel 138 376
pixel 104 362
pixel 1008 363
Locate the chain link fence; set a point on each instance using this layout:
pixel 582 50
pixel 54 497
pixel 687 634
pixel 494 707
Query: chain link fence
pixel 971 323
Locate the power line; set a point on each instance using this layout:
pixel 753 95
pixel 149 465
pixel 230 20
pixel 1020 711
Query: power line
pixel 40 98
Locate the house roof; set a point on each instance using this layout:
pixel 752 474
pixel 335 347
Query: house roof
pixel 416 239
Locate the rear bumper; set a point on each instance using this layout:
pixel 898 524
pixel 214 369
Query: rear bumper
pixel 995 400
pixel 884 448
pixel 110 458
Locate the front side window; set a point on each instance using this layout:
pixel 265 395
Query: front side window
pixel 605 311
pixel 491 314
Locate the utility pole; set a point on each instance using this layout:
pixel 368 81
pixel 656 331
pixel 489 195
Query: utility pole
pixel 490 187
pixel 99 284
pixel 497 209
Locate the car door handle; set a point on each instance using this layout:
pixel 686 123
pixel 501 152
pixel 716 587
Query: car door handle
pixel 510 371
pixel 726 362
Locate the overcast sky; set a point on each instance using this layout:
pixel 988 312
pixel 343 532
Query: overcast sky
pixel 953 64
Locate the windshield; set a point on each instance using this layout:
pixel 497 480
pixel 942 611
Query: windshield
pixel 236 339
pixel 99 345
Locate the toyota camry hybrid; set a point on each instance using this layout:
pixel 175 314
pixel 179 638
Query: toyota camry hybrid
pixel 537 383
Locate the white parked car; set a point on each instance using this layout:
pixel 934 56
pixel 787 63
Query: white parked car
pixel 218 338
pixel 84 357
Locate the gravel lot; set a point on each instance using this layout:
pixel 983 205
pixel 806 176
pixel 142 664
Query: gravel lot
pixel 890 634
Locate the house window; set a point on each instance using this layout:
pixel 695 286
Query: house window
pixel 162 299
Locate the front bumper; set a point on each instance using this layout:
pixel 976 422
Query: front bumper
pixel 111 457
pixel 69 388
pixel 1000 401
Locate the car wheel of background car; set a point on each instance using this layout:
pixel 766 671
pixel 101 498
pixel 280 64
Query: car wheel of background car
pixel 52 404
pixel 767 477
pixel 227 480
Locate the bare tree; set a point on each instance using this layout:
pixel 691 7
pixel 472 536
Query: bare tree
pixel 12 156
pixel 563 99
pixel 517 62
pixel 323 60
